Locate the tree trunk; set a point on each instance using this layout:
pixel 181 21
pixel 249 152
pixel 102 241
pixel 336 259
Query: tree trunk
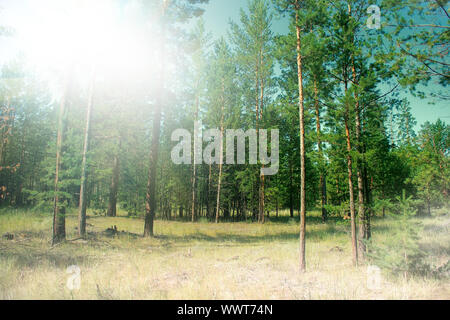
pixel 276 206
pixel 350 189
pixel 259 118
pixel 350 182
pixel 221 154
pixel 208 196
pixel 194 173
pixel 218 193
pixel 367 197
pixel 83 184
pixel 194 166
pixel 291 190
pixel 362 214
pixel 302 150
pixel 112 204
pixel 323 187
pixel 59 211
pixel 150 197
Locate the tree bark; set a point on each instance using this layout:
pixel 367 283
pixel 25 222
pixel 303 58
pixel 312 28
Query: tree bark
pixel 208 196
pixel 322 186
pixel 302 262
pixel 350 189
pixel 362 214
pixel 150 197
pixel 259 118
pixel 194 166
pixel 350 181
pixel 291 190
pixel 221 154
pixel 83 184
pixel 59 211
pixel 112 204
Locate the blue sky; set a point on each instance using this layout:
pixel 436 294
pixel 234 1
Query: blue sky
pixel 219 12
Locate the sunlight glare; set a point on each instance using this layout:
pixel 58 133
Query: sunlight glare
pixel 85 33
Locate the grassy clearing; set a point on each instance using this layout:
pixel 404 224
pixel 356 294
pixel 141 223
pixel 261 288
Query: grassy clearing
pixel 202 261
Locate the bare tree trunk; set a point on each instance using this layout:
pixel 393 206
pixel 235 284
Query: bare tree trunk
pixel 257 115
pixel 193 192
pixel 261 198
pixel 4 128
pixel 59 211
pixel 367 197
pixel 276 206
pixel 323 187
pixel 244 209
pixel 259 118
pixel 150 197
pixel 302 149
pixel 194 168
pixel 112 204
pixel 349 164
pixel 362 214
pixel 221 154
pixel 208 196
pixel 291 191
pixel 350 181
pixel 218 189
pixel 83 185
pixel 350 189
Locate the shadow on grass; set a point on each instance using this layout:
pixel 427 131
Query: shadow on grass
pixel 435 248
pixel 235 238
pixel 311 220
pixel 32 257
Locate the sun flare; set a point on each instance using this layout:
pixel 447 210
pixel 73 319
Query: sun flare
pixel 87 34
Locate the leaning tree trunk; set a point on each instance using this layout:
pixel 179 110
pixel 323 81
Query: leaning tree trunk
pixel 59 211
pixel 83 184
pixel 150 197
pixel 302 151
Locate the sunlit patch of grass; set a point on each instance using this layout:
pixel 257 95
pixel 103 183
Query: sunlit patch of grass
pixel 200 260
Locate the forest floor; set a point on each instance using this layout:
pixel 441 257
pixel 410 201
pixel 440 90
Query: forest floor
pixel 202 260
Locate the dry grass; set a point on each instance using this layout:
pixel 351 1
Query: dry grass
pixel 200 261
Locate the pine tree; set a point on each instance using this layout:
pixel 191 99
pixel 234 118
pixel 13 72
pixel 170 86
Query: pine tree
pixel 179 10
pixel 83 183
pixel 253 42
pixel 59 210
pixel 300 11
